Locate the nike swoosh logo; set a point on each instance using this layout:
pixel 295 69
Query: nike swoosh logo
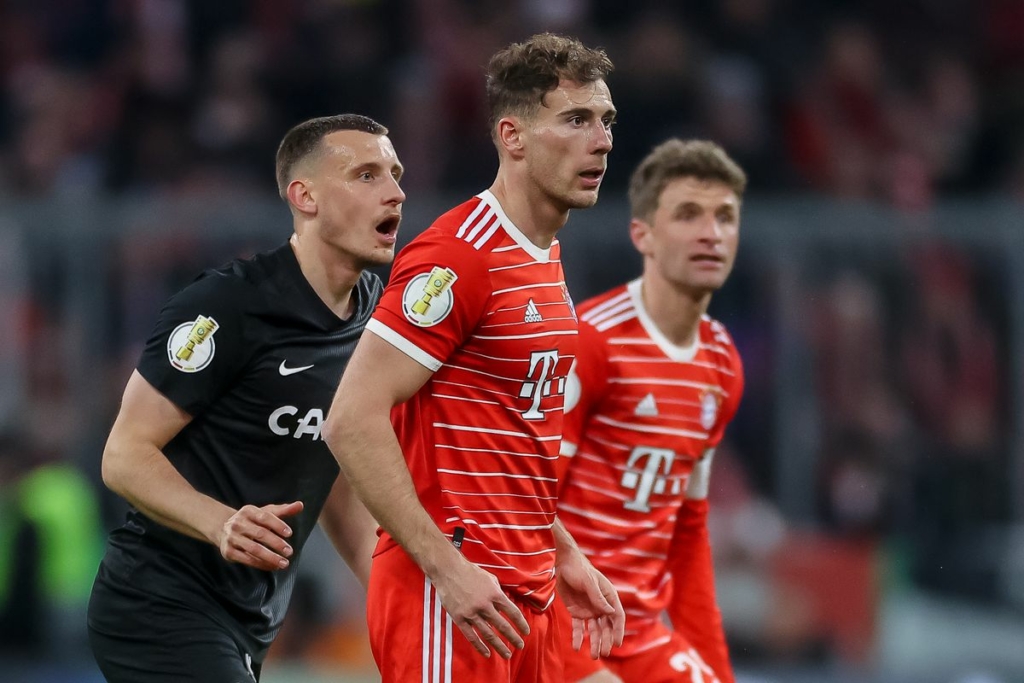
pixel 291 371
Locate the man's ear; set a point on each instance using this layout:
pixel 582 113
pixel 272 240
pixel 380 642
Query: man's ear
pixel 640 233
pixel 300 197
pixel 509 134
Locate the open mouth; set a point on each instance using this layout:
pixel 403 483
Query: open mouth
pixel 707 258
pixel 389 226
pixel 594 174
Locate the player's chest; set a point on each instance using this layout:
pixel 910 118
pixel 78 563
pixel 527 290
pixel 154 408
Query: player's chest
pixel 661 403
pixel 289 385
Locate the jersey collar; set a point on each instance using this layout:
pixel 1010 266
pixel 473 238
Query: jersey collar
pixel 681 354
pixel 538 254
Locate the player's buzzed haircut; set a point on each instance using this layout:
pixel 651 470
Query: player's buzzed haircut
pixel 520 75
pixel 304 140
pixel 675 158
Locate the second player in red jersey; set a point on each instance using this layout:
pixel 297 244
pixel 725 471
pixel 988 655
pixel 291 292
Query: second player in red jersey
pixel 449 417
pixel 655 383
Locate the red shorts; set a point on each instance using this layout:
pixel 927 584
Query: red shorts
pixel 671 660
pixel 414 641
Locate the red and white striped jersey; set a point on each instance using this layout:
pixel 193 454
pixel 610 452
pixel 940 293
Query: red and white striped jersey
pixel 488 311
pixel 641 414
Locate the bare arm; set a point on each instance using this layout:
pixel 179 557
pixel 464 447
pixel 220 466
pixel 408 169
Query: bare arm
pixel 359 432
pixel 135 467
pixel 351 528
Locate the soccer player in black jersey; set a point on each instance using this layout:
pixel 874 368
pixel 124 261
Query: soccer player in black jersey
pixel 217 443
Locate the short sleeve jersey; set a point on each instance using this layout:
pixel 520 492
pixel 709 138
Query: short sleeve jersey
pixel 641 413
pixel 472 299
pixel 254 355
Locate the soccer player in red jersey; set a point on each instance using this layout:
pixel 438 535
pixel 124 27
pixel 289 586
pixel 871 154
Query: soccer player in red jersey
pixel 448 419
pixel 654 385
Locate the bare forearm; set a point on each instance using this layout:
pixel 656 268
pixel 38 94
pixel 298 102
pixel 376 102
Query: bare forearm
pixel 369 454
pixel 351 528
pixel 565 544
pixel 142 475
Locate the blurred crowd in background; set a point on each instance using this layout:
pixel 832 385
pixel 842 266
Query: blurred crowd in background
pixel 879 99
pixel 881 367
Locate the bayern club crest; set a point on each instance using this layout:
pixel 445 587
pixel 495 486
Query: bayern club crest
pixel 708 409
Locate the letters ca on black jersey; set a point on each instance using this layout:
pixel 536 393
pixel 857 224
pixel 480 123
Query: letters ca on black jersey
pixel 253 354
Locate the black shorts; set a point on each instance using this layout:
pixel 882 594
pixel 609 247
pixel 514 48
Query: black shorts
pixel 146 640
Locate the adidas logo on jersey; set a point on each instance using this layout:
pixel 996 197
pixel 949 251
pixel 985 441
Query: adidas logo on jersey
pixel 647 407
pixel 532 314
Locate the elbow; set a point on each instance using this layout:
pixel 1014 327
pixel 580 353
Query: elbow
pixel 333 431
pixel 111 470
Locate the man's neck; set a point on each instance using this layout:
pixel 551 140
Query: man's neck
pixel 330 277
pixel 533 213
pixel 675 312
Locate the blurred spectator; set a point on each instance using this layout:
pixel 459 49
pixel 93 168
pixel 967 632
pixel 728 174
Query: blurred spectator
pixel 50 545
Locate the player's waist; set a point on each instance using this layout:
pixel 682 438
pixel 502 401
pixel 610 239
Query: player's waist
pixel 526 575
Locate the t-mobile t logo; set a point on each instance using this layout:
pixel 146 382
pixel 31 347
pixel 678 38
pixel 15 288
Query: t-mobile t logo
pixel 653 477
pixel 539 383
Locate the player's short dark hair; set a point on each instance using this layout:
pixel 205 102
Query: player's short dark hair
pixel 304 139
pixel 675 158
pixel 520 75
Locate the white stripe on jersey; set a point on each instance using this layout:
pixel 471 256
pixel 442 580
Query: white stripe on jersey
pixel 518 527
pixel 473 386
pixel 615 495
pixel 496 495
pixel 497 474
pixel 521 265
pixel 485 220
pixel 666 382
pixel 650 429
pixel 520 322
pixel 503 512
pixel 515 380
pixel 468 400
pixel 553 333
pixel 403 345
pixel 615 521
pixel 471 218
pixel 490 450
pixel 604 534
pixel 483 430
pixel 425 645
pixel 534 552
pixel 511 247
pixel 537 285
pixel 488 234
pixel 585 455
pixel 605 305
pixel 448 648
pixel 567 448
pixel 608 324
pixel 596 319
pixel 634 341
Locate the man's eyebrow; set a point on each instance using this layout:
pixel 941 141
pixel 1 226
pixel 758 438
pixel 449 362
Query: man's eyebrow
pixel 586 112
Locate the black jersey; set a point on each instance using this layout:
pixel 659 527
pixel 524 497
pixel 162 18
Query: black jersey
pixel 254 355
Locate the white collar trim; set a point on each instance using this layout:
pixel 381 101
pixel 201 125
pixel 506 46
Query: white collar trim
pixel 681 354
pixel 538 254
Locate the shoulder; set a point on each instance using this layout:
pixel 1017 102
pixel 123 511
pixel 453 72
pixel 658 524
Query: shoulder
pixel 599 314
pixel 716 338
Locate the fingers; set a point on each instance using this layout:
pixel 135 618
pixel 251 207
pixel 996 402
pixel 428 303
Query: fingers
pixel 512 630
pixel 471 635
pixel 255 536
pixel 578 629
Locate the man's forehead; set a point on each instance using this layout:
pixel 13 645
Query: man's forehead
pixel 356 146
pixel 690 188
pixel 570 94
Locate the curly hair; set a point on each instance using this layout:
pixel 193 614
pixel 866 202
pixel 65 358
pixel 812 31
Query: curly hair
pixel 520 75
